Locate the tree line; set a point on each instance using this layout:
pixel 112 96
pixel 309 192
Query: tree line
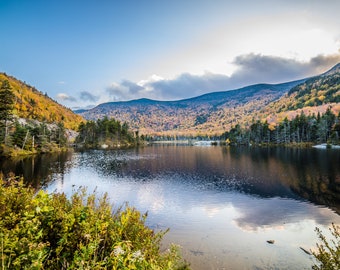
pixel 301 129
pixel 108 132
pixel 310 129
pixel 41 137
pixel 35 136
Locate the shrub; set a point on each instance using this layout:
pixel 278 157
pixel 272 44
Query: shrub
pixel 50 231
pixel 328 254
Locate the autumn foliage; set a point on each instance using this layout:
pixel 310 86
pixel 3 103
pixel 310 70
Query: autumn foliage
pixel 33 104
pixel 52 231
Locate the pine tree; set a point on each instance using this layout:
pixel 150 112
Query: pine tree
pixel 6 107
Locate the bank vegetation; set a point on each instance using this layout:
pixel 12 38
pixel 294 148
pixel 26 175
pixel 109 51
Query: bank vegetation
pixel 39 230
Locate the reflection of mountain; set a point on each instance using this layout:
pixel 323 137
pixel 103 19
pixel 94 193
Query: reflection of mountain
pixel 305 174
pixel 173 200
pixel 321 185
pixel 294 173
pixel 259 187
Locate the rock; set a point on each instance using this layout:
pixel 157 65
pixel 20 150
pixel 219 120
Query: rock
pixel 270 241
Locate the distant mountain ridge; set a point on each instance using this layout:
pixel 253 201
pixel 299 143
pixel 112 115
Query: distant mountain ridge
pixel 212 113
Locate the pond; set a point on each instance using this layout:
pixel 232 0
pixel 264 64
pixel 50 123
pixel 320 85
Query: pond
pixel 221 204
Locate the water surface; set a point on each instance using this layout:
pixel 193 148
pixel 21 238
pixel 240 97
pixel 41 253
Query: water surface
pixel 221 204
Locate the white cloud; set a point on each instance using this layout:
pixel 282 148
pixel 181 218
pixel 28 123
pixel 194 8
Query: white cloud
pixel 118 92
pixel 250 69
pixel 151 79
pixel 295 35
pixel 256 68
pixel 65 97
pixel 87 96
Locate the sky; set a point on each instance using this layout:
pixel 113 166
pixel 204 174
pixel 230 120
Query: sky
pixel 83 53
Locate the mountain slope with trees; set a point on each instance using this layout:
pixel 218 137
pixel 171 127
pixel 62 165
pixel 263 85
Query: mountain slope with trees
pixel 209 114
pixel 314 96
pixel 308 113
pixel 31 122
pixel 30 103
pixel 214 114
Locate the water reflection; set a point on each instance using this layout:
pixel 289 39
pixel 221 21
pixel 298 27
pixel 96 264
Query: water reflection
pixel 265 172
pixel 221 204
pixel 38 170
pixel 309 173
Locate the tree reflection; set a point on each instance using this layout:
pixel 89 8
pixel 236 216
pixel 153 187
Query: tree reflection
pixel 37 170
pixel 310 173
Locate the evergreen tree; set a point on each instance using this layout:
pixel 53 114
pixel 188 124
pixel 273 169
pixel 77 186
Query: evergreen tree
pixel 6 107
pixel 18 136
pixel 104 131
pixel 301 129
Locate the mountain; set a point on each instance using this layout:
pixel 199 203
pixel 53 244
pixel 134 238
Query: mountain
pixel 318 90
pixel 217 112
pixel 315 95
pixel 33 104
pixel 210 114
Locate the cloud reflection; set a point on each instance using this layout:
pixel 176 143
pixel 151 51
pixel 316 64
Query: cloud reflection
pixel 195 189
pixel 257 214
pixel 151 197
pixel 247 212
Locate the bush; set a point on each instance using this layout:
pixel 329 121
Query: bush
pixel 328 254
pixel 50 231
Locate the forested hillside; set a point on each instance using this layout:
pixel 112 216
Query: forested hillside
pixel 317 91
pixel 315 96
pixel 299 111
pixel 210 114
pixel 308 113
pixel 302 129
pixel 30 103
pixel 31 122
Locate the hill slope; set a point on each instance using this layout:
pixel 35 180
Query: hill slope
pixel 32 104
pixel 210 114
pixel 313 96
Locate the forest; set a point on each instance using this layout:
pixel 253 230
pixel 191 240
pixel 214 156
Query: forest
pixel 30 103
pixel 302 129
pixel 105 133
pixel 20 136
pixel 35 132
pixel 310 129
pixel 32 136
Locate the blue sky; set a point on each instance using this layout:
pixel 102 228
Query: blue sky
pixel 83 52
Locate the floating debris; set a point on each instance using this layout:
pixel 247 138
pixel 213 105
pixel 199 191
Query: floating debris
pixel 197 252
pixel 306 251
